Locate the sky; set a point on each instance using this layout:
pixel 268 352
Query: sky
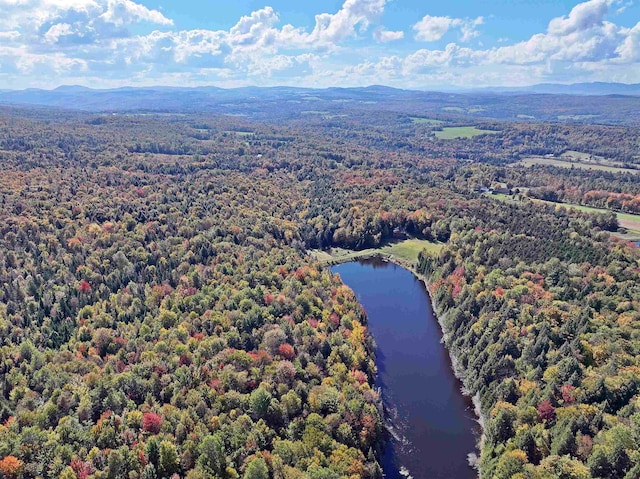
pixel 418 44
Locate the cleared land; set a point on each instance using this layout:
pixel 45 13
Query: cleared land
pixel 626 220
pixel 451 133
pixel 418 120
pixel 405 251
pixel 239 133
pixel 561 163
pixel 576 117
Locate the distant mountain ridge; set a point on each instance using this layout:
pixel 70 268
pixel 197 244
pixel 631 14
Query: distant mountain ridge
pixel 594 88
pixel 131 98
pixel 606 103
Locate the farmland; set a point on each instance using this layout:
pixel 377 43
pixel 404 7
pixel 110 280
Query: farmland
pixel 455 132
pixel 627 221
pixel 418 120
pixel 563 163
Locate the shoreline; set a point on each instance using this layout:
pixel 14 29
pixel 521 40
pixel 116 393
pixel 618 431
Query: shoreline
pixel 474 456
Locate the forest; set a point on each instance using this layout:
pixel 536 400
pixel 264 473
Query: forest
pixel 161 316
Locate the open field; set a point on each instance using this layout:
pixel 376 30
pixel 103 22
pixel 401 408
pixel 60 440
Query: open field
pixel 541 160
pixel 454 132
pixel 418 120
pixel 576 117
pixel 409 249
pixel 239 133
pixel 628 221
pixel 405 251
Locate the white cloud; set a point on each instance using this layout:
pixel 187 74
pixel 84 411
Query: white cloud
pixel 354 13
pixel 383 36
pixel 468 29
pixel 629 50
pixel 56 31
pixel 32 15
pixel 254 28
pixel 10 36
pixel 582 46
pixel 581 36
pixel 582 17
pixel 432 29
pixel 126 12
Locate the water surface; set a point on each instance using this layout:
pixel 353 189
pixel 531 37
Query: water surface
pixel 432 426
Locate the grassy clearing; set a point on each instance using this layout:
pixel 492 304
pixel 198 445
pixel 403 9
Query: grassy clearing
pixel 626 220
pixel 454 132
pixel 409 250
pixel 403 251
pixel 239 133
pixel 576 117
pixel 631 235
pixel 591 209
pixel 501 196
pixel 540 160
pixel 418 120
pixel 580 156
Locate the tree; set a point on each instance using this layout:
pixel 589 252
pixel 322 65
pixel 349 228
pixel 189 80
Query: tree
pixel 151 422
pixel 259 401
pixel 212 457
pixel 257 469
pixel 117 466
pixel 84 287
pixel 168 462
pixel 510 464
pixel 546 411
pixel 149 472
pixel 152 451
pixel 11 466
pixel 286 351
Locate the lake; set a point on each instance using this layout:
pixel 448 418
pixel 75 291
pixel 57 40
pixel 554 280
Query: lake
pixel 432 425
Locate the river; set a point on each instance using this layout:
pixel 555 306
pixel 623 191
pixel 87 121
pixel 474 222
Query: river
pixel 432 425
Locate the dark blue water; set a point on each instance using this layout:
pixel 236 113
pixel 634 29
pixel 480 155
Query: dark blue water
pixel 432 426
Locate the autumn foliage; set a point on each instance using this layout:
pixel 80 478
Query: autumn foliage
pixel 286 351
pixel 11 466
pixel 162 313
pixel 151 422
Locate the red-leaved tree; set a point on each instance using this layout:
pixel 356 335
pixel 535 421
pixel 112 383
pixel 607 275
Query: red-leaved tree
pixel 151 422
pixel 84 287
pixel 546 411
pixel 286 351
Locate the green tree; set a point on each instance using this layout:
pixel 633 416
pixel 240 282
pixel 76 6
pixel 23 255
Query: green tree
pixel 257 469
pixel 168 463
pixel 259 402
pixel 212 457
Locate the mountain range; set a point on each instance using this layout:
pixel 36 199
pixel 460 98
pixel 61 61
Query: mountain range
pixel 606 103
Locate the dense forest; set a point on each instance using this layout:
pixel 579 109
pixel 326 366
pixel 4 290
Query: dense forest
pixel 161 317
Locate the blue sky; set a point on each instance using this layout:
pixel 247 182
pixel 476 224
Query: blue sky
pixel 401 43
